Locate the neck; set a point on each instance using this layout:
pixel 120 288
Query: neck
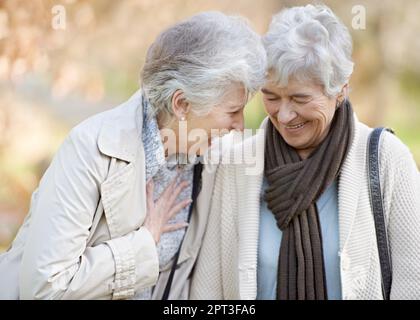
pixel 168 129
pixel 305 153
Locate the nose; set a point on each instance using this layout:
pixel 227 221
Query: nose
pixel 286 113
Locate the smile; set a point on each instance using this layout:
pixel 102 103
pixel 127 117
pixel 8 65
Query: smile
pixel 297 126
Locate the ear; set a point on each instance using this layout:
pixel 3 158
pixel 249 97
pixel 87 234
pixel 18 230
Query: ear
pixel 180 106
pixel 344 92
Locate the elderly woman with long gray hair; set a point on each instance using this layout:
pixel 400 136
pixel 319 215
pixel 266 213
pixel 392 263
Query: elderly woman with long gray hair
pixel 119 213
pixel 334 211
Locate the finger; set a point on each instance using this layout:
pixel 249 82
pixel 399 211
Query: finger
pixel 150 187
pixel 178 207
pixel 175 193
pixel 174 227
pixel 169 189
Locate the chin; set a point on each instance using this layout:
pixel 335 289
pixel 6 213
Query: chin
pixel 297 142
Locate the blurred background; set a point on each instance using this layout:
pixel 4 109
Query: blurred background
pixel 62 61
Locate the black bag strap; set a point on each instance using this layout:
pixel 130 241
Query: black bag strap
pixel 378 211
pixel 198 168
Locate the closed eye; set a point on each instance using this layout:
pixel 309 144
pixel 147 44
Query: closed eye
pixel 236 111
pixel 271 97
pixel 301 99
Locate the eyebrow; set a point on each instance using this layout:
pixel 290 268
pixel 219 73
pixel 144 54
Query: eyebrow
pixel 235 106
pixel 295 95
pixel 301 95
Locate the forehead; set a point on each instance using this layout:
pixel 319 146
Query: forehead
pixel 293 86
pixel 235 96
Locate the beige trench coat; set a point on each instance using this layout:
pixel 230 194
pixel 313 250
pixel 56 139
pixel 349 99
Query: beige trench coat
pixel 83 236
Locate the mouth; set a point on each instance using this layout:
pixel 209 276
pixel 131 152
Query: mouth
pixel 296 127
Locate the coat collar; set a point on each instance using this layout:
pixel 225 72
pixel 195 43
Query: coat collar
pixel 120 134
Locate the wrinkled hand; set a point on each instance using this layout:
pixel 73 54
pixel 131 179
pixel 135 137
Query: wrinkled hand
pixel 161 211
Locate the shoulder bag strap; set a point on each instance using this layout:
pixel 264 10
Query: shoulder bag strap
pixel 378 211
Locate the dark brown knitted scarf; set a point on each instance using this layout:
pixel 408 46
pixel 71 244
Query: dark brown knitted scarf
pixel 294 187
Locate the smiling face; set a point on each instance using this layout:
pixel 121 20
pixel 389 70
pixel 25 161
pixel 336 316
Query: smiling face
pixel 301 113
pixel 194 135
pixel 226 116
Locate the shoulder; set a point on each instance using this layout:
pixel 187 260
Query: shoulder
pixel 120 116
pixel 112 133
pixel 392 149
pixel 87 131
pixel 396 162
pixel 397 166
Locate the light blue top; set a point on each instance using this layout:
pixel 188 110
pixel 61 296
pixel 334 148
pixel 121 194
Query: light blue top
pixel 269 246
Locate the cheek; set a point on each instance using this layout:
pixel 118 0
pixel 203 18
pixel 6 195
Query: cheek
pixel 322 115
pixel 217 122
pixel 270 107
pixel 224 121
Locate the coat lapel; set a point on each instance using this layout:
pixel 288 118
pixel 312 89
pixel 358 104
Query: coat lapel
pixel 124 190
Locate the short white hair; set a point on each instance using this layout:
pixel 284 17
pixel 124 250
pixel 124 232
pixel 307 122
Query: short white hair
pixel 203 57
pixel 309 44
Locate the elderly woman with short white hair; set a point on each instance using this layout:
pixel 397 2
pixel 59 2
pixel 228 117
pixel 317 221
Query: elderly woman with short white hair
pixel 334 212
pixel 119 213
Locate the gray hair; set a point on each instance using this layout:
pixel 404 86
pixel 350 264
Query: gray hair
pixel 310 44
pixel 203 56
